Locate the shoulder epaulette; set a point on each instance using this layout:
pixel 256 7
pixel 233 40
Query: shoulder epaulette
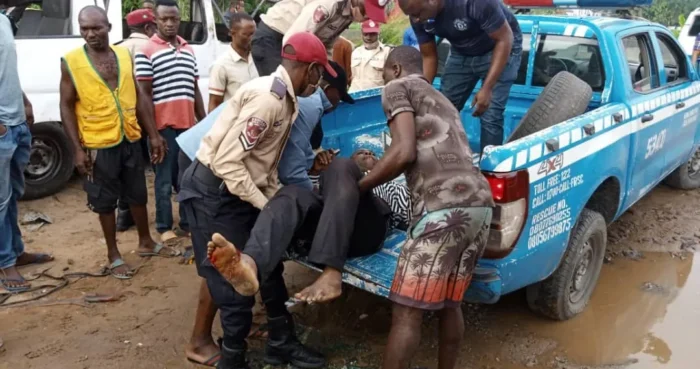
pixel 278 88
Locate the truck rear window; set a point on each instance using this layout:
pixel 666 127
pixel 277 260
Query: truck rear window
pixel 695 27
pixel 577 55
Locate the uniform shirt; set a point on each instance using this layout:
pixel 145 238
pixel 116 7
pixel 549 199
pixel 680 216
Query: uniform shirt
pixel 443 175
pixel 368 67
pixel 342 54
pixel 173 72
pixel 12 102
pixel 326 19
pixel 229 73
pixel 298 156
pixel 135 43
pixel 467 25
pixel 244 145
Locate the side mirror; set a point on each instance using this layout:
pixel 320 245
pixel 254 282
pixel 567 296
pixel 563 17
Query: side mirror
pixel 56 8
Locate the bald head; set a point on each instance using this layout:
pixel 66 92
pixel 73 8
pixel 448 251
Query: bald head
pixel 94 27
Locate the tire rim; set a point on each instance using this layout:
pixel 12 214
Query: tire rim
pixel 583 273
pixel 694 164
pixel 43 160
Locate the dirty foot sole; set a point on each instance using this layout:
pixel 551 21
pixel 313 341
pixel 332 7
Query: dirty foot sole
pixel 233 265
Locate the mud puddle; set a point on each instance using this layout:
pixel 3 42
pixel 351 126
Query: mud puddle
pixel 644 314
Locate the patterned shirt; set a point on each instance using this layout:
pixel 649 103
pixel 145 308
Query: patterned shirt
pixel 395 194
pixel 443 175
pixel 696 47
pixel 173 71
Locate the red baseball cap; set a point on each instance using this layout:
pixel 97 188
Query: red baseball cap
pixel 374 10
pixel 308 49
pixel 139 17
pixel 370 26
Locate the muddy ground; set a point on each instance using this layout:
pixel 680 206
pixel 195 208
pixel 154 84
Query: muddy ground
pixel 644 314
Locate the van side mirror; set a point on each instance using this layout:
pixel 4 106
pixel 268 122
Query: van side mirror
pixel 56 8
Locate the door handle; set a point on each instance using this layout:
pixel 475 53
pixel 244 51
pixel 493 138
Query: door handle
pixel 680 105
pixel 646 118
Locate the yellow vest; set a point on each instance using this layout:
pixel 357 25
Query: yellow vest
pixel 104 116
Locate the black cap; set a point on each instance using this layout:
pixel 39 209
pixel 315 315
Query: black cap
pixel 339 82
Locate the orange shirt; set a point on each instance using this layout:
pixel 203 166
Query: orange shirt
pixel 342 54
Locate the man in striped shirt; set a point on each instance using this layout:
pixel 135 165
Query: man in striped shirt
pixel 166 69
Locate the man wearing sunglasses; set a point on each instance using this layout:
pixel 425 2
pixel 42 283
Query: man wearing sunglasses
pixel 327 19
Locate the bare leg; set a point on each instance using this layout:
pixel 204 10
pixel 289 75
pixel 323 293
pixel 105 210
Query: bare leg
pixel 451 334
pixel 202 346
pixel 404 337
pixel 327 287
pixel 140 215
pixel 109 228
pixel 237 268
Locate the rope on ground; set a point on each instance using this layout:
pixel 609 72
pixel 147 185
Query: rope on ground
pixel 48 289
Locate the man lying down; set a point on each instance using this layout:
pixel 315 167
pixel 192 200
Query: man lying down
pixel 334 217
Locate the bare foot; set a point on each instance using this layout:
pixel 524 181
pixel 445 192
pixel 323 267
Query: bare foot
pixel 206 353
pixel 237 268
pixel 327 287
pixel 12 279
pixel 28 258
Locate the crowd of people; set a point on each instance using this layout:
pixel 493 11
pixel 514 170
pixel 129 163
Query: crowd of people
pixel 251 178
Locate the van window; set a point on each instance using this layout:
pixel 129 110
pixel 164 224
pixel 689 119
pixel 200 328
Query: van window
pixel 193 27
pixel 695 27
pixel 48 21
pixel 673 58
pixel 522 71
pixel 576 55
pixel 640 60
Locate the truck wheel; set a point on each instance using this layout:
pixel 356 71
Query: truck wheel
pixel 567 291
pixel 50 162
pixel 687 176
pixel 565 96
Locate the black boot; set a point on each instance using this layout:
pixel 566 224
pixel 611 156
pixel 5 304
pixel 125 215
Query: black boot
pixel 124 218
pixel 232 358
pixel 283 347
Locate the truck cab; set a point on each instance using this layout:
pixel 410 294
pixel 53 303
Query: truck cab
pixel 47 30
pixel 633 122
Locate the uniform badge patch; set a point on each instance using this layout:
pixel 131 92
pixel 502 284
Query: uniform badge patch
pixel 320 14
pixel 254 128
pixel 278 88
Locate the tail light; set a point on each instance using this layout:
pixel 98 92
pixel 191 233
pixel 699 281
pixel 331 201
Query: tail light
pixel 510 192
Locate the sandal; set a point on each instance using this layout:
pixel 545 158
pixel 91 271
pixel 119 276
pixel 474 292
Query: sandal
pixel 23 287
pixel 39 258
pixel 212 361
pixel 157 252
pixel 123 276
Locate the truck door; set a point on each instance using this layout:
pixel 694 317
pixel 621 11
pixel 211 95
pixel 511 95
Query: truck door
pixel 675 81
pixel 649 130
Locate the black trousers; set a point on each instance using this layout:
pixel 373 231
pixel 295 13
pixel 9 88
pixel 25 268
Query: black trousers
pixel 341 222
pixel 210 208
pixel 266 49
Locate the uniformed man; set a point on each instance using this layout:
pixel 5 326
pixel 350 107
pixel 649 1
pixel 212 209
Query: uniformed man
pixel 231 180
pixel 142 25
pixel 327 19
pixel 368 59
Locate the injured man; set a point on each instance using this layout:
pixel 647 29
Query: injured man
pixel 334 218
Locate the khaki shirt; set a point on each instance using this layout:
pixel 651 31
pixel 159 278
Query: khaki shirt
pixel 244 145
pixel 229 72
pixel 368 67
pixel 135 43
pixel 327 19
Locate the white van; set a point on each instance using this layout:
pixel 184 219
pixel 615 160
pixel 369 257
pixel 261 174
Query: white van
pixel 45 35
pixel 690 31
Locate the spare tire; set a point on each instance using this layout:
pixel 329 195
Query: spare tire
pixel 50 161
pixel 565 96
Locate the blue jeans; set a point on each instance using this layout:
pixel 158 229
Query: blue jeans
pixel 166 179
pixel 14 156
pixel 461 75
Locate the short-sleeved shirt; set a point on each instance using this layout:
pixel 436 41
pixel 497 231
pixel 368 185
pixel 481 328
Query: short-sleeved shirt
pixel 442 175
pixel 229 73
pixel 12 102
pixel 368 67
pixel 467 25
pixel 173 72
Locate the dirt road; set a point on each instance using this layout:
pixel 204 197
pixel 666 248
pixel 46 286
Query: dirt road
pixel 643 315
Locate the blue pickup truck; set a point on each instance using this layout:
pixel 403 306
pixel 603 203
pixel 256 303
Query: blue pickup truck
pixel 603 110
